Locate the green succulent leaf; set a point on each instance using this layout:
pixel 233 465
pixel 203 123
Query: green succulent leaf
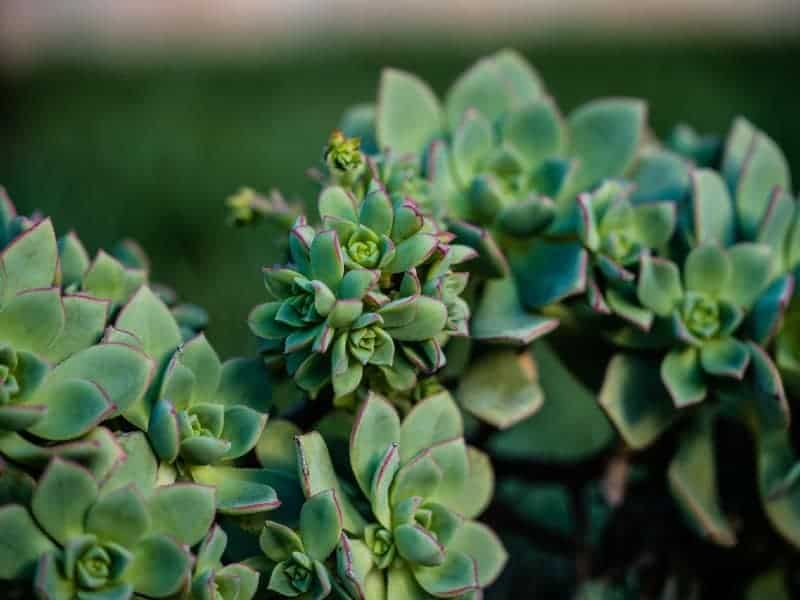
pixel 501 317
pixel 182 511
pixel 659 287
pixel 693 482
pixel 377 425
pixel 502 389
pixel 63 520
pixel 121 516
pixel 25 543
pixel 436 419
pixel 159 567
pixel 713 213
pixel 604 135
pixel 320 524
pixel 482 544
pixel 636 400
pixel 408 115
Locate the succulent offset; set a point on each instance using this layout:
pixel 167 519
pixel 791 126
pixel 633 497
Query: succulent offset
pixel 401 371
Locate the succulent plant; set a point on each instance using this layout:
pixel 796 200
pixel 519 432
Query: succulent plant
pixel 371 289
pixel 86 541
pixel 451 237
pixel 407 529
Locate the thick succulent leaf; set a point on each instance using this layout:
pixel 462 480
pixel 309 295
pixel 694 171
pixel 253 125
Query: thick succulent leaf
pixel 73 259
pixel 526 217
pixel 541 435
pixel 659 287
pixel 248 580
pixel 682 374
pixel 472 143
pixel 549 272
pixel 63 480
pixel 159 568
pixel 492 86
pixel 245 382
pixel 490 261
pixel 243 427
pixel 418 545
pixel 478 486
pixel 737 146
pixel 335 201
pixel 430 319
pixel 693 482
pixel 203 450
pixel 713 216
pixel 484 547
pixel 327 261
pixel 123 373
pixel 726 357
pixel 751 269
pixel 765 406
pixel 149 319
pixel 276 447
pixel 400 583
pixel 707 269
pixel 73 408
pixel 655 222
pixel 535 131
pixel 198 356
pixel 320 525
pixel 764 169
pixel 501 389
pixel 120 516
pixel 23 543
pixel 777 480
pixel 317 475
pixel 32 320
pixel 242 491
pixel 354 566
pixel 50 584
pixel 279 541
pixel 501 317
pixel 636 400
pixel 17 417
pixel 409 116
pixel 109 279
pixel 419 477
pixel 356 283
pixel 454 577
pixel 182 511
pixel 412 252
pixel 604 135
pixel 376 212
pixel 381 485
pixel 766 316
pixel 84 324
pixel 377 425
pixel 434 420
pixel 138 464
pixel 453 459
pixel 660 175
pixel 210 552
pixel 777 223
pixel 29 261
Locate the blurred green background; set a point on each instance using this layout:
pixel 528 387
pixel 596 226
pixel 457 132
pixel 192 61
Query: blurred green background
pixel 151 150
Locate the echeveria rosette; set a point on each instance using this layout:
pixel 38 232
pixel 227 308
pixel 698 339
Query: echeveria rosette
pixel 299 562
pixel 422 485
pixel 211 580
pixel 505 163
pixel 706 306
pixel 617 233
pixel 52 355
pixel 373 290
pixel 80 540
pixel 200 415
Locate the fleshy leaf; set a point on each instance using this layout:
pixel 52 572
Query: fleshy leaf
pixel 320 524
pixel 376 426
pixel 501 389
pixel 63 520
pixel 408 115
pixel 23 543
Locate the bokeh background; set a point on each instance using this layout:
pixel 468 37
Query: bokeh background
pixel 138 117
